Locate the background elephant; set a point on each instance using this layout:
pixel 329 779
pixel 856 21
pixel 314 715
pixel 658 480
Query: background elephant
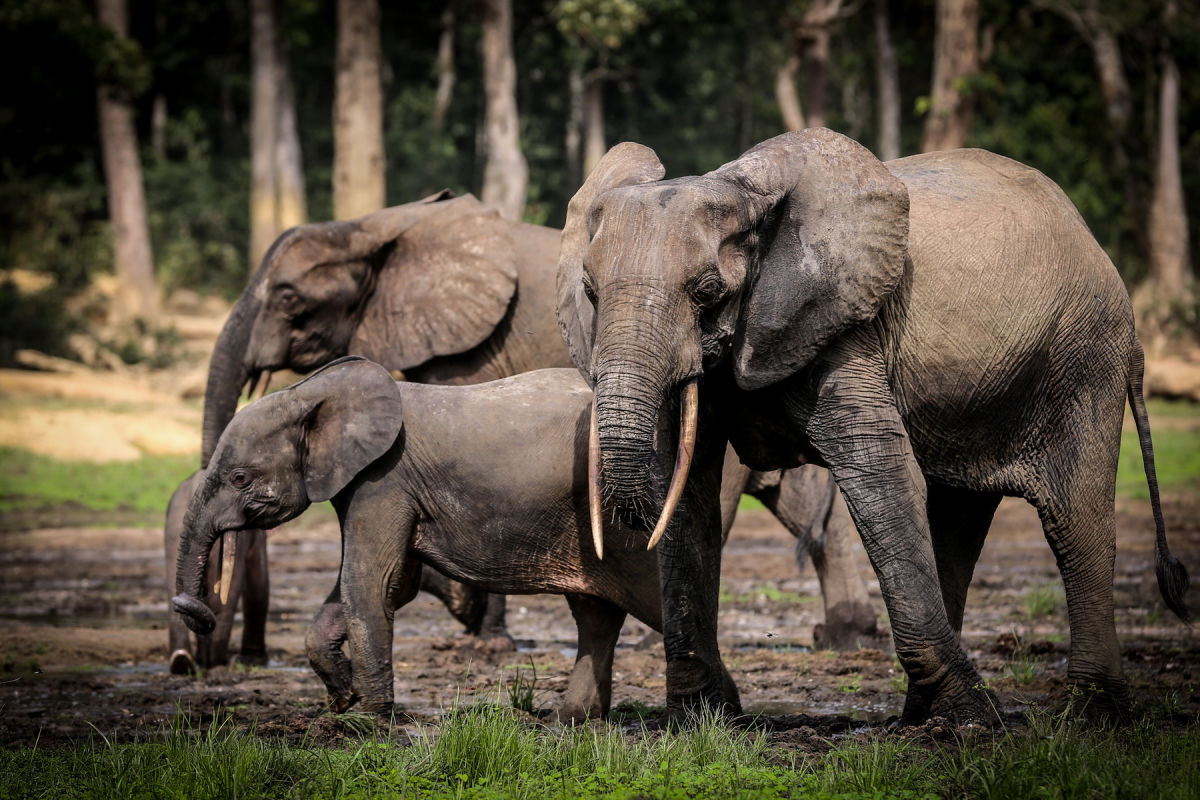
pixel 447 292
pixel 940 331
pixel 486 483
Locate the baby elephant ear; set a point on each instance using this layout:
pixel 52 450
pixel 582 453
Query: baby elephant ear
pixel 354 416
pixel 626 164
pixel 833 241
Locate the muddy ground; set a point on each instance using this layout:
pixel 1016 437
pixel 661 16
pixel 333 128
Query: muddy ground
pixel 83 636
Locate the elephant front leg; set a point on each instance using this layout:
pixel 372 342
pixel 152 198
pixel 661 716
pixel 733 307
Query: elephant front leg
pixel 589 694
pixel 256 597
pixel 855 426
pixel 378 576
pixel 324 641
pixel 689 566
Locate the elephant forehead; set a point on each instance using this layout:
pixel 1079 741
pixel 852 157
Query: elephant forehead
pixel 677 221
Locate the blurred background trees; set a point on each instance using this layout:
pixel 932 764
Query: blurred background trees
pixel 248 116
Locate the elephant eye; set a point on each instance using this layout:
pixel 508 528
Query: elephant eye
pixel 239 479
pixel 707 289
pixel 288 302
pixel 589 290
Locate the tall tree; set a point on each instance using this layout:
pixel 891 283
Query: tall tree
pixel 810 36
pixel 264 118
pixel 445 69
pixel 505 173
pixel 594 29
pixel 132 255
pixel 1099 31
pixel 955 59
pixel 1169 266
pixel 358 160
pixel 291 206
pixel 887 78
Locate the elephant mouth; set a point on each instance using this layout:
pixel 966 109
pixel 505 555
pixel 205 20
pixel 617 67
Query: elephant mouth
pixel 196 615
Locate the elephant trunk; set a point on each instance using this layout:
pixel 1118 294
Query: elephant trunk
pixel 228 370
pixel 634 387
pixel 191 566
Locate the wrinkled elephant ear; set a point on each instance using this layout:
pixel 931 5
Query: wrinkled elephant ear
pixel 625 164
pixel 445 285
pixel 833 241
pixel 351 414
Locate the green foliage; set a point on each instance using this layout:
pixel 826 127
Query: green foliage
pixel 29 482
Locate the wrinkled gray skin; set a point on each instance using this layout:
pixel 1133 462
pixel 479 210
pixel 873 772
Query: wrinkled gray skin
pixel 940 331
pixel 428 288
pixel 485 483
pixel 448 293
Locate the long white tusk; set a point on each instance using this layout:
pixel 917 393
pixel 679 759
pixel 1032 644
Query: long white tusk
pixel 228 554
pixel 683 458
pixel 594 502
pixel 263 384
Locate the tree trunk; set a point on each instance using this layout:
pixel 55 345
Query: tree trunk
pixel 573 138
pixel 132 256
pixel 1168 218
pixel 593 121
pixel 888 79
pixel 955 58
pixel 505 173
pixel 445 68
pixel 816 57
pixel 358 161
pixel 291 206
pixel 1096 30
pixel 158 127
pixel 263 120
pixel 785 94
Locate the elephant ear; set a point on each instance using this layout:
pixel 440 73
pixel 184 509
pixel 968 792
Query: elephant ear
pixel 625 164
pixel 445 285
pixel 832 226
pixel 351 416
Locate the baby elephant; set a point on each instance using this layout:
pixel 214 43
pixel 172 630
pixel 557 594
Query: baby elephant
pixel 485 483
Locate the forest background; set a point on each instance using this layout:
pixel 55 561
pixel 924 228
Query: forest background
pixel 230 120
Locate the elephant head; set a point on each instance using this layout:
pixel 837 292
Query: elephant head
pixel 292 448
pixel 400 286
pixel 753 267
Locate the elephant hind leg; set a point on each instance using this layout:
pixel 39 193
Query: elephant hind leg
pixel 809 505
pixel 324 641
pixel 959 520
pixel 1080 525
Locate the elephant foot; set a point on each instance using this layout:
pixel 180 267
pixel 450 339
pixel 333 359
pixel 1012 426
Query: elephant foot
pixel 846 628
pixel 961 699
pixel 1100 704
pixel 381 708
pixel 339 703
pixel 696 690
pixel 573 714
pixel 253 657
pixel 494 643
pixel 181 663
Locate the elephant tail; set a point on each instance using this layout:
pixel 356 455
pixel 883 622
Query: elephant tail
pixel 1172 576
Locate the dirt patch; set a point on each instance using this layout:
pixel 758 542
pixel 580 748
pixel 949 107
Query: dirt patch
pixel 83 639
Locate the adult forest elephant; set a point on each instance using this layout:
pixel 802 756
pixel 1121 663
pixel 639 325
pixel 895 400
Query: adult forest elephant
pixel 940 331
pixel 447 292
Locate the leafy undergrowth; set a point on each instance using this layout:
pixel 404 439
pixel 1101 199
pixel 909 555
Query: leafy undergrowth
pixel 484 751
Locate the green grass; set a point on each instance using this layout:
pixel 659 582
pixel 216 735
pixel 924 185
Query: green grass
pixel 485 751
pixel 1042 601
pixel 30 482
pixel 1176 452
